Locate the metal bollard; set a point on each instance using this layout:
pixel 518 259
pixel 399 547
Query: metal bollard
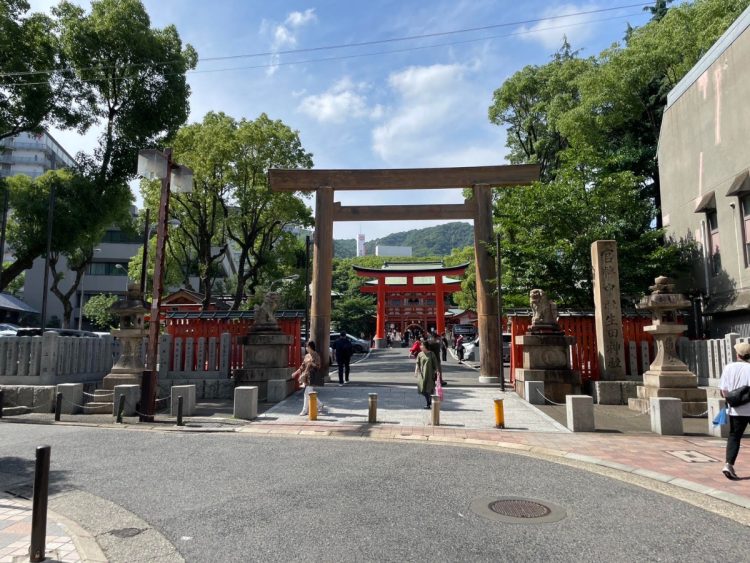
pixel 499 414
pixel 39 505
pixel 2 393
pixel 179 411
pixel 120 408
pixel 58 406
pixel 435 410
pixel 313 406
pixel 372 408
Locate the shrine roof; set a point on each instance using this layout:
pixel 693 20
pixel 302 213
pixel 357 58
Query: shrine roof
pixel 392 270
pixel 416 280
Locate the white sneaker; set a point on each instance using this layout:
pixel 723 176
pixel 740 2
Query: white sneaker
pixel 729 473
pixel 303 413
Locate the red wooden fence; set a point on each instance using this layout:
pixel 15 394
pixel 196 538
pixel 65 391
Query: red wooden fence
pixel 585 357
pixel 195 325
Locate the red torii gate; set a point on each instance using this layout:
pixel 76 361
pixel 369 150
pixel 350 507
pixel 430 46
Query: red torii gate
pixel 426 278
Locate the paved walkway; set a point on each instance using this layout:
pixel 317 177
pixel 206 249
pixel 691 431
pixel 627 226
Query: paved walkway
pixel 687 467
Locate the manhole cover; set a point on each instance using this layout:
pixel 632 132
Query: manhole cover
pixel 519 508
pixel 514 510
pixel 126 532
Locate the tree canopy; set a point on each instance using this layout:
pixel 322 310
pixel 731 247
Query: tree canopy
pixel 593 125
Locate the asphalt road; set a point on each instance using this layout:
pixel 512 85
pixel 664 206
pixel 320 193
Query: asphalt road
pixel 240 497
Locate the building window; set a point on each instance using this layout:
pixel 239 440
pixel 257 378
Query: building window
pixel 116 236
pixel 107 269
pixel 745 206
pixel 713 241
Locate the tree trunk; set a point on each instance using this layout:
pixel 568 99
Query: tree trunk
pixel 14 270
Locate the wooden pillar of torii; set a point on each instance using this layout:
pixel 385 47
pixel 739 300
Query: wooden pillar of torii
pixel 478 208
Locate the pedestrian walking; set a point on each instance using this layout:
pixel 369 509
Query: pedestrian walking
pixel 310 375
pixel 444 347
pixel 426 372
pixel 460 347
pixel 734 376
pixel 344 350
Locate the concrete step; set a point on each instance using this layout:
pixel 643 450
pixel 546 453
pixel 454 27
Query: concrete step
pixel 98 408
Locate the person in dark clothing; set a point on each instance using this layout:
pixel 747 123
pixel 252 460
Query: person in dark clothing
pixel 444 347
pixel 343 348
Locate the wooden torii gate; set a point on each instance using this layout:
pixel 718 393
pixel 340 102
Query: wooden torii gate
pixel 481 179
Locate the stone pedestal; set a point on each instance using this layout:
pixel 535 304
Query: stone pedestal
pixel 546 358
pixel 266 355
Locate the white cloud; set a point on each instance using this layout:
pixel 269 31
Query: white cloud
pixel 550 33
pixel 432 102
pixel 344 100
pixel 283 35
pixel 298 19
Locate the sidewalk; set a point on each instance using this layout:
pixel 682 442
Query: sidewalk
pixel 65 542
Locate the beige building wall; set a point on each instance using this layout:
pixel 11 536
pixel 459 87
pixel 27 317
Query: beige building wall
pixel 704 154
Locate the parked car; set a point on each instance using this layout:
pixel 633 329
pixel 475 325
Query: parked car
pixel 358 345
pixel 8 329
pixel 36 331
pixel 471 349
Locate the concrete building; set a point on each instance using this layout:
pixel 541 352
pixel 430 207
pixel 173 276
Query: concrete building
pixel 393 251
pixel 32 154
pixel 704 169
pixel 360 245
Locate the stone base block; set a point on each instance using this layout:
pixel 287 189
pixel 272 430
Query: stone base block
pixel 557 383
pixel 112 380
pixel 675 379
pixel 613 392
pixel 666 416
pixel 712 392
pixel 714 406
pixel 580 413
pixel 691 408
pixel 684 394
pixel 278 390
pixel 72 397
pixel 489 379
pixel 37 398
pixel 187 392
pixel 132 394
pixel 245 402
pixel 533 391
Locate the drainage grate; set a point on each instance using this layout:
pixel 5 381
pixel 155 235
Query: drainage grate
pixel 514 510
pixel 519 508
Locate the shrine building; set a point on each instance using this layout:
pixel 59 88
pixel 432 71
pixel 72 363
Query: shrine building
pixel 411 294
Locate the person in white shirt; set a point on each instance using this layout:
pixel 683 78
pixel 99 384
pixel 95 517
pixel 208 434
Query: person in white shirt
pixel 735 375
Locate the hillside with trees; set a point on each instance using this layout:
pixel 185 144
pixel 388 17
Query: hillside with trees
pixel 430 241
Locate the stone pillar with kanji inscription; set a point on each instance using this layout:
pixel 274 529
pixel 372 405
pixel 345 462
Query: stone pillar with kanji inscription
pixel 610 341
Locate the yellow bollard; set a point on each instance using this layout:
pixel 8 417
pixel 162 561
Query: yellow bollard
pixel 435 410
pixel 372 408
pixel 313 406
pixel 499 414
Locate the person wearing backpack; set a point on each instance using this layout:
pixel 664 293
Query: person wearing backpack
pixel 735 376
pixel 344 350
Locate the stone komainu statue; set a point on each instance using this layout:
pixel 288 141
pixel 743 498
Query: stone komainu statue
pixel 544 311
pixel 264 313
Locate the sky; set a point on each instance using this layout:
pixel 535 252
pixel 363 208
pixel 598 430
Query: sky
pixel 411 103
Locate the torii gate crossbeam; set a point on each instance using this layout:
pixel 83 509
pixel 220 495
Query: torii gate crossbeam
pixel 479 208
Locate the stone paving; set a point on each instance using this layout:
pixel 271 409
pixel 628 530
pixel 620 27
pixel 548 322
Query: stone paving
pixel 462 407
pixel 15 534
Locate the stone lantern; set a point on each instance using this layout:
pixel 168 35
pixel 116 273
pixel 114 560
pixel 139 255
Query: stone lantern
pixel 129 366
pixel 667 375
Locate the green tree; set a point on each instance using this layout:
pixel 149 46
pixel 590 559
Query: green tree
pixel 97 310
pixel 257 219
pixel 133 77
pixel 354 314
pixel 37 89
